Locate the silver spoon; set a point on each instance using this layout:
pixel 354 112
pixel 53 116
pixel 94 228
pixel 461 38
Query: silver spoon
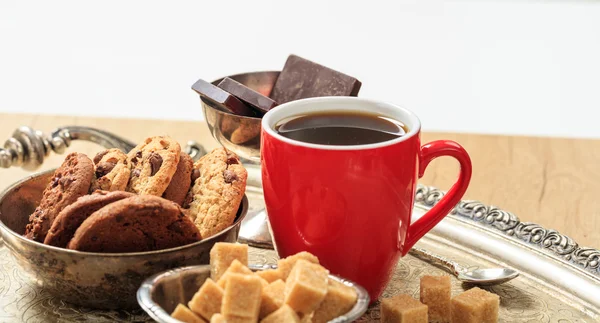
pixel 484 277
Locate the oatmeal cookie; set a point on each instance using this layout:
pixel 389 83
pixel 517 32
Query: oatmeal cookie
pixel 112 171
pixel 153 164
pixel 217 192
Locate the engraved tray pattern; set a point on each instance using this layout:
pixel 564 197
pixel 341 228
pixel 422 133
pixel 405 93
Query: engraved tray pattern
pixel 522 300
pixel 549 241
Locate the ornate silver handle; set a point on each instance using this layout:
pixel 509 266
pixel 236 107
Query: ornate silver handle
pixel 453 266
pixel 27 147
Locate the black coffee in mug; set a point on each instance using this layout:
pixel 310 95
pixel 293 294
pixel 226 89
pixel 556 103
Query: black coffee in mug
pixel 341 128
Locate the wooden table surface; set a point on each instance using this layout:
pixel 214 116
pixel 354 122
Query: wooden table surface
pixel 550 181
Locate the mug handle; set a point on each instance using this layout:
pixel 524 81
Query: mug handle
pixel 428 153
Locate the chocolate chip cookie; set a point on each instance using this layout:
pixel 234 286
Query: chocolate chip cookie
pixel 181 181
pixel 70 181
pixel 153 164
pixel 70 218
pixel 138 223
pixel 112 171
pixel 217 192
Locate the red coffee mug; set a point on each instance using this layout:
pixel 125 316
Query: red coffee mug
pixel 351 206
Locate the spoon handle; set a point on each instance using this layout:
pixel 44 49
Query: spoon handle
pixel 452 266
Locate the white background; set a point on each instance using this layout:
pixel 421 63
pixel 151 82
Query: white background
pixel 512 67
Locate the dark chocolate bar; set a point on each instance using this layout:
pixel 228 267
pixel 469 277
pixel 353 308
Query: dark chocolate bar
pixel 256 100
pixel 301 78
pixel 221 99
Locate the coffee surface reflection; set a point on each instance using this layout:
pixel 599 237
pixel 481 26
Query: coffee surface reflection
pixel 341 128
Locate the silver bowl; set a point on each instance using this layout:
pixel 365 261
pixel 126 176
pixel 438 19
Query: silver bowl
pixel 160 294
pixel 238 133
pixel 95 280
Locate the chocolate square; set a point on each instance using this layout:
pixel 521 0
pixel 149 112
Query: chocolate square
pixel 301 78
pixel 247 95
pixel 221 99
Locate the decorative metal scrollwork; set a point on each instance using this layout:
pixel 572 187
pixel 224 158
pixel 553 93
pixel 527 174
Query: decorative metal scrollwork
pixel 547 239
pixel 428 196
pixel 491 215
pixel 587 258
pixel 550 241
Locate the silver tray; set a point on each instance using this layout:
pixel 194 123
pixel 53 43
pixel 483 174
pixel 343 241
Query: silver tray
pixel 559 281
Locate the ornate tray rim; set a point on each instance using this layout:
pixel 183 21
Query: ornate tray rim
pixel 553 244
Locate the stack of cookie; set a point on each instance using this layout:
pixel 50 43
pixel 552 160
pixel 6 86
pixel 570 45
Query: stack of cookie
pixel 152 198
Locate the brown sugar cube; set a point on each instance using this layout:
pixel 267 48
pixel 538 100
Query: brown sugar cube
pixel 272 298
pixel 270 275
pixel 207 300
pixel 219 318
pixel 339 300
pixel 403 309
pixel 283 314
pixel 475 305
pixel 306 286
pixel 284 266
pixel 236 267
pixel 263 282
pixel 306 318
pixel 184 314
pixel 436 294
pixel 242 296
pixel 223 254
